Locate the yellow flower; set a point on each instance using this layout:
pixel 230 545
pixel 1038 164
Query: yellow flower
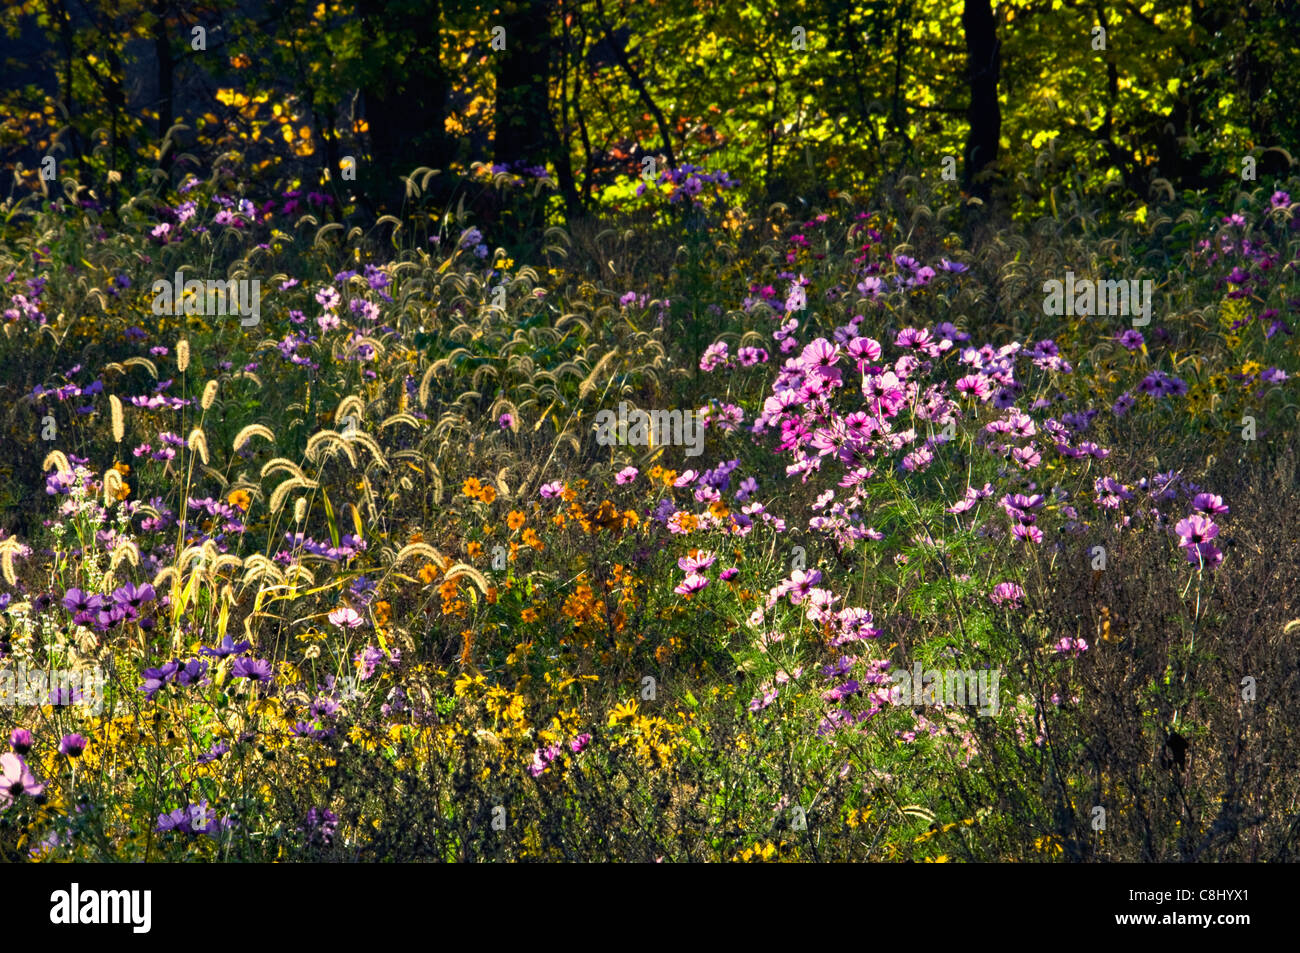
pixel 624 712
pixel 239 499
pixel 515 519
pixel 467 683
pixel 529 615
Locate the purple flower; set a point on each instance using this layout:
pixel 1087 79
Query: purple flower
pixel 580 742
pixel 1131 339
pixel 1007 593
pixel 1196 529
pixel 254 669
pixel 1210 503
pixel 20 739
pixel 72 745
pixel 133 596
pixel 76 601
pixel 227 647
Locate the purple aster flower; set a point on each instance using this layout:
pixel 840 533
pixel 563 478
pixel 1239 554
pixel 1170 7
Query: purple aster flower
pixel 254 669
pixel 227 647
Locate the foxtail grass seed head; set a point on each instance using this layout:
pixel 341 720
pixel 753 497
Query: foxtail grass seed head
pixel 198 442
pixel 299 509
pixel 209 395
pixel 119 425
pixel 182 355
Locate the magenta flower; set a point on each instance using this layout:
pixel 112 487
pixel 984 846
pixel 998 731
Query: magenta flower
pixel 626 475
pixel 801 583
pixel 762 701
pixel 1196 529
pixel 1204 554
pixel 1070 646
pixel 72 745
pixel 693 583
pixel 1007 593
pixel 696 563
pixel 1209 503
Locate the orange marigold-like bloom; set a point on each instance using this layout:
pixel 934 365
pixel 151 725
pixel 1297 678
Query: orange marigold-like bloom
pixel 515 519
pixel 531 538
pixel 471 487
pixel 428 572
pixel 488 494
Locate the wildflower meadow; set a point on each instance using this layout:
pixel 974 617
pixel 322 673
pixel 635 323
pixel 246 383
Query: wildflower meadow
pixel 670 460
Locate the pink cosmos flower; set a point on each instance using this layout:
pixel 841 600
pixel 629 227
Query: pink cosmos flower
pixel 626 475
pixel 1210 503
pixel 16 778
pixel 1007 593
pixel 692 584
pixel 1027 534
pixel 345 618
pixel 1196 529
pixel 697 563
pixel 1070 646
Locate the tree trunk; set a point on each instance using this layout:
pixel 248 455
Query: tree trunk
pixel 521 126
pixel 405 107
pixel 983 65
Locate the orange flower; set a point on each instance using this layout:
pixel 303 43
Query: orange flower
pixel 471 488
pixel 515 519
pixel 383 612
pixel 529 615
pixel 239 499
pixel 428 573
pixel 474 550
pixel 530 538
pixel 123 468
pixel 488 494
